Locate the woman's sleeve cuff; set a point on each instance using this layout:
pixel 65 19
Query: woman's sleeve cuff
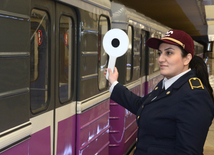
pixel 112 86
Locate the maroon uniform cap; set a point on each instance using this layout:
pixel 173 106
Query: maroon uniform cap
pixel 174 37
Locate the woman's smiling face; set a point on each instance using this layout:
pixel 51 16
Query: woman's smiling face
pixel 170 60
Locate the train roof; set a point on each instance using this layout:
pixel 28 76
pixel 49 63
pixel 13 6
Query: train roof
pixel 123 14
pixel 105 4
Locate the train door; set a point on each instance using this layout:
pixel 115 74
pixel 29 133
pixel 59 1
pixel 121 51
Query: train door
pixel 42 76
pixel 65 108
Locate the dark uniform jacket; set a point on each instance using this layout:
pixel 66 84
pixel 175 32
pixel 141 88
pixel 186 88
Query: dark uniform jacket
pixel 172 122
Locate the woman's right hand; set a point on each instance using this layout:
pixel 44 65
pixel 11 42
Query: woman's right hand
pixel 112 76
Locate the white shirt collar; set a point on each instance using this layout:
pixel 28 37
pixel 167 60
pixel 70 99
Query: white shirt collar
pixel 168 82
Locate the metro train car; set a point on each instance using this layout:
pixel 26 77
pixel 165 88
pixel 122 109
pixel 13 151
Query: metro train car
pixel 54 98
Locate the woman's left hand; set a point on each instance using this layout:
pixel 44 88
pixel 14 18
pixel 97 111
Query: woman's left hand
pixel 112 77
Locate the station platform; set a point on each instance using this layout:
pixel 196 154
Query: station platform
pixel 209 143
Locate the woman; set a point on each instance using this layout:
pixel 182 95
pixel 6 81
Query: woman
pixel 175 117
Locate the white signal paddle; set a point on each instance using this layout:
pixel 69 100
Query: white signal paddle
pixel 115 44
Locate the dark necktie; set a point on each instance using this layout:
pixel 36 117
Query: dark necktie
pixel 162 90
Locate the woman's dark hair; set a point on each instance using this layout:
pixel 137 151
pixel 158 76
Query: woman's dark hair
pixel 200 68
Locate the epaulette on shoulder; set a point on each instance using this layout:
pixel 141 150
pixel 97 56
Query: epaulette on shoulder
pixel 196 83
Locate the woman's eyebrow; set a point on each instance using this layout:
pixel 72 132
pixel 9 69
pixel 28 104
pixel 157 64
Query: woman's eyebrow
pixel 167 49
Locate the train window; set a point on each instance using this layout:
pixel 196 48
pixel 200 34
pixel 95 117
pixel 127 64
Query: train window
pixel 65 56
pixel 129 54
pixel 102 55
pixel 144 51
pixel 39 60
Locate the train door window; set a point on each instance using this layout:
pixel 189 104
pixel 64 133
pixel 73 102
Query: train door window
pixel 144 52
pixel 39 60
pixel 65 56
pixel 129 54
pixel 102 55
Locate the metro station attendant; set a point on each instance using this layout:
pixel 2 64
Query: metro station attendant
pixel 174 121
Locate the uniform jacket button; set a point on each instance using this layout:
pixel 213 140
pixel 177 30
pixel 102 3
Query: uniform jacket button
pixel 168 92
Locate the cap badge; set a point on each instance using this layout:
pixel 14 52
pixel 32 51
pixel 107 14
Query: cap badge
pixel 168 33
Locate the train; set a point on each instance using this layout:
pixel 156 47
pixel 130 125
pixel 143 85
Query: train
pixel 54 97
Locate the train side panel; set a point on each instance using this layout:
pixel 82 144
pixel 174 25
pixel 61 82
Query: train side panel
pixel 123 127
pixel 15 126
pixel 93 130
